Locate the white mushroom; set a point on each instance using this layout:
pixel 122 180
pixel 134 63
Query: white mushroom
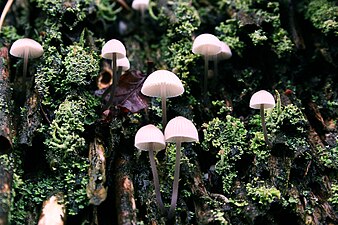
pixel 164 84
pixel 207 45
pixel 224 54
pixel 150 138
pixel 113 49
pixel 263 100
pixel 26 48
pixel 178 130
pixel 140 5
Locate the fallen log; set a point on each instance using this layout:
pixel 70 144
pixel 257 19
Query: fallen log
pixel 5 193
pixel 5 99
pixel 124 191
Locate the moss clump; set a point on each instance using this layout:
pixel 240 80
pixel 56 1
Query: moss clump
pixel 65 72
pixel 228 139
pixel 323 15
pixel 262 193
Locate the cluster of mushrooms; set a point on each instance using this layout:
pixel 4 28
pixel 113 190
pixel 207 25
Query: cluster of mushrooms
pixel 163 84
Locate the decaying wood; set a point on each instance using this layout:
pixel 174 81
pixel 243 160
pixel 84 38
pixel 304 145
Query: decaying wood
pixel 53 211
pixel 124 190
pixel 5 99
pixel 30 120
pixel 5 193
pixel 202 198
pixel 96 188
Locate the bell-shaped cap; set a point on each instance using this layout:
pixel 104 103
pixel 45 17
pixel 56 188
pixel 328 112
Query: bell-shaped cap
pixel 262 97
pixel 19 47
pixel 113 46
pixel 148 138
pixel 180 129
pixel 162 80
pixel 140 4
pixel 124 63
pixel 206 44
pixel 225 52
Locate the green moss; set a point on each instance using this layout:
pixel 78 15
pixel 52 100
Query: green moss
pixel 228 138
pixel 262 193
pixel 323 15
pixel 69 71
pixel 334 197
pixel 68 13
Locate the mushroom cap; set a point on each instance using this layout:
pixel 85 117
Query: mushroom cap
pixel 19 46
pixel 148 138
pixel 262 97
pixel 206 44
pixel 140 4
pixel 124 63
pixel 180 129
pixel 113 46
pixel 225 52
pixel 162 79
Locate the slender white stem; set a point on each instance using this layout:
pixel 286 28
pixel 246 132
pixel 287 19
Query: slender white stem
pixel 206 63
pixel 264 126
pixel 4 12
pixel 25 63
pixel 216 65
pixel 164 105
pixel 156 181
pixel 176 179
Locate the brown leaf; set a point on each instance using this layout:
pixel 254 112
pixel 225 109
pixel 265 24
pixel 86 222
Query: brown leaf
pixel 128 91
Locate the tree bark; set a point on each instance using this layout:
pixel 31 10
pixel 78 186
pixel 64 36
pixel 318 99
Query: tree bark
pixel 30 120
pixel 124 189
pixel 96 188
pixel 5 193
pixel 5 99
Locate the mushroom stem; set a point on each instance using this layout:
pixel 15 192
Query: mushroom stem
pixel 216 66
pixel 112 92
pixel 164 106
pixel 4 12
pixel 156 181
pixel 264 126
pixel 206 62
pixel 25 64
pixel 142 15
pixel 176 179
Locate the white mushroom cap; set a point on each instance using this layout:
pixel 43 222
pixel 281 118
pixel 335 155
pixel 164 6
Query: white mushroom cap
pixel 113 46
pixel 140 4
pixel 124 63
pixel 162 79
pixel 148 138
pixel 18 48
pixel 262 97
pixel 180 129
pixel 225 52
pixel 206 44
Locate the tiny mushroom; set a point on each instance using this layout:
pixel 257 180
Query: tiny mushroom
pixel 224 54
pixel 262 100
pixel 150 138
pixel 140 5
pixel 164 84
pixel 113 49
pixel 26 48
pixel 122 65
pixel 207 45
pixel 178 130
